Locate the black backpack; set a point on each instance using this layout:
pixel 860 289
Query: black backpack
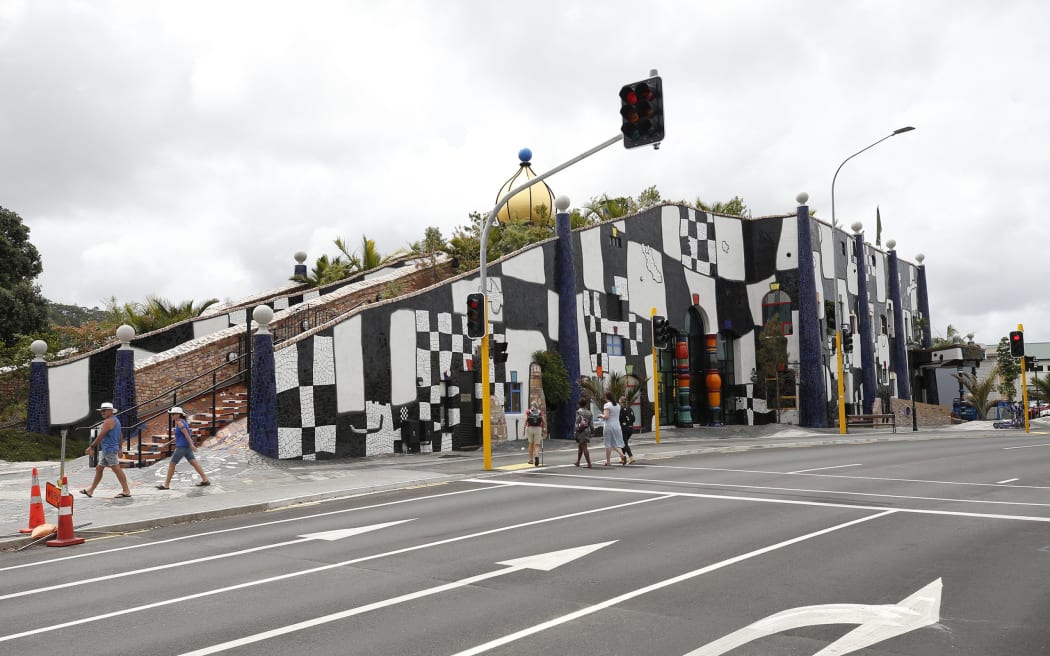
pixel 534 418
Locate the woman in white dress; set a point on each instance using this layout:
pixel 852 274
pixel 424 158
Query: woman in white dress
pixel 611 432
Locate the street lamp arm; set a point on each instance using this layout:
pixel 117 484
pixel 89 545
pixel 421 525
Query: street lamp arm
pixel 835 177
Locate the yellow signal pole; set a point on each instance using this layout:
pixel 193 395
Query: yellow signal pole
pixel 486 398
pixel 656 377
pixel 842 386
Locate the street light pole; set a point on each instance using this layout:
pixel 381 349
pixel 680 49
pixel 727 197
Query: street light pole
pixel 838 324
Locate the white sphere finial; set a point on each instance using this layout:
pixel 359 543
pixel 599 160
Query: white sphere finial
pixel 300 256
pixel 802 198
pixel 561 203
pixel 39 348
pixel 263 315
pixel 125 334
pixel 857 226
pixel 919 258
pixel 891 244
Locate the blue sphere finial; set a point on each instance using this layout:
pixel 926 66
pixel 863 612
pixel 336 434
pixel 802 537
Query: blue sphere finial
pixel 525 155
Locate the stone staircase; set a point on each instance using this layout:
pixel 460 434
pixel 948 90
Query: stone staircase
pixel 231 404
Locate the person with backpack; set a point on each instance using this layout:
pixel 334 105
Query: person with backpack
pixel 534 432
pixel 627 428
pixel 584 421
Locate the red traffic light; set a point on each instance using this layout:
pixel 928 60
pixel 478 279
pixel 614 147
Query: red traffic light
pixel 642 111
pixel 1017 343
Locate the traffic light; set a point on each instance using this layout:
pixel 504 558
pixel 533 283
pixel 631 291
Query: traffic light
pixel 476 316
pixel 661 332
pixel 642 112
pixel 499 352
pixel 847 340
pixel 1017 343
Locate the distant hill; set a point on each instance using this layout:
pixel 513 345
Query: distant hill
pixel 73 315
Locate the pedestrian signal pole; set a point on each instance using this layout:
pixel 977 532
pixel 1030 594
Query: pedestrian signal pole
pixel 656 376
pixel 1017 348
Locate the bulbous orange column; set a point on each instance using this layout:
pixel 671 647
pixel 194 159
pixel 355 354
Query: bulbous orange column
pixel 714 381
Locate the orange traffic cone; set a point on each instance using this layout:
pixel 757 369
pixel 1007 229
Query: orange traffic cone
pixel 66 537
pixel 36 506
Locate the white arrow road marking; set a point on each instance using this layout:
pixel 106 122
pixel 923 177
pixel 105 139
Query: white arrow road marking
pixel 545 562
pixel 329 536
pixel 609 603
pixel 804 471
pixel 877 623
pixel 324 568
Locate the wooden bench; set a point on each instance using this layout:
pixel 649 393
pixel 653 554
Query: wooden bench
pixel 873 421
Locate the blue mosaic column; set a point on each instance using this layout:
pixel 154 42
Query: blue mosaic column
pixel 900 349
pixel 38 419
pixel 124 384
pixel 300 266
pixel 867 340
pixel 568 337
pixel 813 398
pixel 262 404
pixel 930 381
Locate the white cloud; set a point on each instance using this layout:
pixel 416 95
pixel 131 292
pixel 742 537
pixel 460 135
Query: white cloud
pixel 188 148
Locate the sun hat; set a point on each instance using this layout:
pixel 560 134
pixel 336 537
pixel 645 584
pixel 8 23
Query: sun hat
pixel 176 411
pixel 107 406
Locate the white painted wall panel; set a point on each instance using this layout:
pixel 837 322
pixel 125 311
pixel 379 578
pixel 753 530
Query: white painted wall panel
pixel 593 263
pixel 787 251
pixel 402 360
pixel 527 266
pixel 704 288
pixel 827 251
pixel 349 376
pixel 645 280
pixel 730 245
pixel 671 226
pixel 209 326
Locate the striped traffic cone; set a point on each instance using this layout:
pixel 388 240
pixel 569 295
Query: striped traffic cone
pixel 36 506
pixel 66 537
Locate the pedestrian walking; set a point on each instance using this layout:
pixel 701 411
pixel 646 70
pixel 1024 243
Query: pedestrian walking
pixel 611 432
pixel 109 434
pixel 627 428
pixel 534 432
pixel 584 422
pixel 185 447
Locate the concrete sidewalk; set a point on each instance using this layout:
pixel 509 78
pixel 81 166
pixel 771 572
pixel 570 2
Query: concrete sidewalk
pixel 244 482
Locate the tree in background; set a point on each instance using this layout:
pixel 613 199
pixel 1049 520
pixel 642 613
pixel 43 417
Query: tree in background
pixel 432 243
pixel 977 392
pixel 1009 369
pixel 23 309
pixel 555 378
pixel 770 359
pixel 734 207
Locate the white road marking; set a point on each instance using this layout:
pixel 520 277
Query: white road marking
pixel 545 562
pixel 658 496
pixel 1009 480
pixel 806 490
pixel 239 528
pixel 1027 446
pixel 329 536
pixel 789 502
pixel 660 585
pixel 803 471
pixel 877 623
pixel 858 478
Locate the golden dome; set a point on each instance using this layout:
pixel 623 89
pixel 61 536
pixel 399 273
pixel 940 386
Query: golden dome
pixel 535 204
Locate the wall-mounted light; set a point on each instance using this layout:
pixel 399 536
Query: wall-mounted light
pixel 232 356
pixel 304 324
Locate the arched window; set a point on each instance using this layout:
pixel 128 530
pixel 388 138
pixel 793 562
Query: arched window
pixel 777 304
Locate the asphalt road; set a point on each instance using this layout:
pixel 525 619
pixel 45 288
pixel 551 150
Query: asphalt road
pixel 917 548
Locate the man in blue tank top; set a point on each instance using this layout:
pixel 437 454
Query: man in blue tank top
pixel 109 434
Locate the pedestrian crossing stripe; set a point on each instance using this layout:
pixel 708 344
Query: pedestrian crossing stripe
pixel 524 465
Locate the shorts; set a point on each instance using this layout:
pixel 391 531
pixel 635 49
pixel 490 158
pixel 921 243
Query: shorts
pixel 534 434
pixel 182 452
pixel 109 459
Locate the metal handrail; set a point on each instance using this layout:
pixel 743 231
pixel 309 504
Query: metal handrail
pixel 138 427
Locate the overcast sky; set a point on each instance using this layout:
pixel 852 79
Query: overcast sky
pixel 188 149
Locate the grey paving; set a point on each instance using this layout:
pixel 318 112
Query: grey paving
pixel 244 482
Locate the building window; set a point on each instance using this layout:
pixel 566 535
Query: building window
pixel 512 403
pixel 613 345
pixel 843 245
pixel 885 324
pixel 615 307
pixel 777 304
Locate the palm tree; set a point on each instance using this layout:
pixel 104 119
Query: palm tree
pixel 369 258
pixel 734 207
pixel 157 313
pixel 977 392
pixel 326 271
pixel 1042 386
